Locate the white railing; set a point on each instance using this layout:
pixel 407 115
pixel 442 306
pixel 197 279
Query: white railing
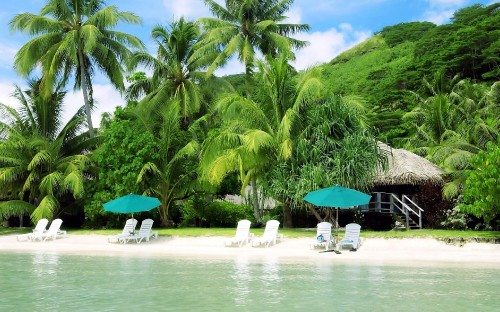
pixel 406 209
pixel 390 203
pixel 420 212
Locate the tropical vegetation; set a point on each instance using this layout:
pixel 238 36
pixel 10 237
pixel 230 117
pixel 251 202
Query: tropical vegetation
pixel 75 38
pixel 189 138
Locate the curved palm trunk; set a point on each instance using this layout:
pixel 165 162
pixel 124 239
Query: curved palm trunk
pixel 85 94
pixel 255 201
pixel 287 214
pixel 164 220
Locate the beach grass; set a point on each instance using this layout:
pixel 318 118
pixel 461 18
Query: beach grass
pixel 288 233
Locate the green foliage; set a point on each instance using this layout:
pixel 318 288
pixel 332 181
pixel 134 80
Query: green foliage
pixel 75 38
pixel 453 124
pixel 400 33
pixel 41 161
pixel 455 219
pixel 468 46
pixel 125 148
pixel 258 131
pixel 334 148
pixel 226 214
pixel 242 27
pixel 481 195
pixel 382 75
pixel 174 75
pixel 197 211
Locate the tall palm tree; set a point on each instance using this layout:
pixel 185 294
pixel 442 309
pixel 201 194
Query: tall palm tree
pixel 242 27
pixel 176 73
pixel 335 147
pixel 258 132
pixel 452 125
pixel 75 37
pixel 170 176
pixel 41 160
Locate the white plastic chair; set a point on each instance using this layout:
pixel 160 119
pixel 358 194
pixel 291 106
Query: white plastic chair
pixel 51 233
pixel 40 227
pixel 323 236
pixel 351 237
pixel 145 233
pixel 242 235
pixel 270 234
pixel 128 230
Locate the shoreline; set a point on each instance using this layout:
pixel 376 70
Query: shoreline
pixel 373 251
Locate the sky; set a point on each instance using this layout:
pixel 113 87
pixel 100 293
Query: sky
pixel 335 26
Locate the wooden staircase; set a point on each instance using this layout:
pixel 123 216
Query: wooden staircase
pixel 409 212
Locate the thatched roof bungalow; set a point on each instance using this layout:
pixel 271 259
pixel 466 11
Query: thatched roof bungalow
pixel 409 177
pixel 407 168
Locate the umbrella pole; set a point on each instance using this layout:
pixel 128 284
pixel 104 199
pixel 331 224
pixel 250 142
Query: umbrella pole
pixel 337 226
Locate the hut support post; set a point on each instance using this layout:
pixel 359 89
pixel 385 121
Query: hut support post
pixel 378 203
pixel 407 217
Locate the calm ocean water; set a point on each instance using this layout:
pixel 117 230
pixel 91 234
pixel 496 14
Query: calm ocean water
pixel 54 282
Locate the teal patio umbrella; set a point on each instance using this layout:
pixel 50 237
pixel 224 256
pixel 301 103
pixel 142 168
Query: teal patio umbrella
pixel 337 197
pixel 132 203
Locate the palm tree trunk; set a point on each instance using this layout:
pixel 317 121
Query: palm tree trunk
pixel 287 214
pixel 255 201
pixel 314 212
pixel 85 94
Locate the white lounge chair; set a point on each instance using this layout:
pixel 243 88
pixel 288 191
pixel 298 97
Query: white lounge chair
pixel 145 233
pixel 323 236
pixel 351 237
pixel 40 227
pixel 52 233
pixel 128 230
pixel 242 235
pixel 270 234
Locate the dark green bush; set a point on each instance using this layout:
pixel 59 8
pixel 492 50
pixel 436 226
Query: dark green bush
pixel 198 212
pixel 226 214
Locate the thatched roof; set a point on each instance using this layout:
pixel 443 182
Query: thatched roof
pixel 405 167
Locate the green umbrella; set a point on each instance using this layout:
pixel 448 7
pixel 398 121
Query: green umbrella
pixel 132 203
pixel 337 197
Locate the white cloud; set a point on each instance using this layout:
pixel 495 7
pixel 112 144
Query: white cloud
pixel 6 89
pixel 190 9
pixel 7 52
pixel 440 11
pixel 105 96
pixel 294 16
pixel 233 66
pixel 324 46
pixel 438 17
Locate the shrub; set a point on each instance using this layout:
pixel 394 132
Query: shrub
pixel 455 219
pixel 198 212
pixel 226 214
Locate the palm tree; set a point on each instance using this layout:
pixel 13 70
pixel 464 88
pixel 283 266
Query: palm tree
pixel 39 161
pixel 241 27
pixel 335 147
pixel 258 132
pixel 175 72
pixel 171 175
pixel 452 125
pixel 75 38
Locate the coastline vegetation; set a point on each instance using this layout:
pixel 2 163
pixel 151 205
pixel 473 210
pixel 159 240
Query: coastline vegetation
pixel 189 138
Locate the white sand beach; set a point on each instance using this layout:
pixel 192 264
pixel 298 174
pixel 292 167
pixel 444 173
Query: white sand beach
pixel 377 251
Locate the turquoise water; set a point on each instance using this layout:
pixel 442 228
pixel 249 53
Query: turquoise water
pixel 54 282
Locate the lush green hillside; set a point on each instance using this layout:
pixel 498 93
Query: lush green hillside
pixel 388 68
pixel 382 76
